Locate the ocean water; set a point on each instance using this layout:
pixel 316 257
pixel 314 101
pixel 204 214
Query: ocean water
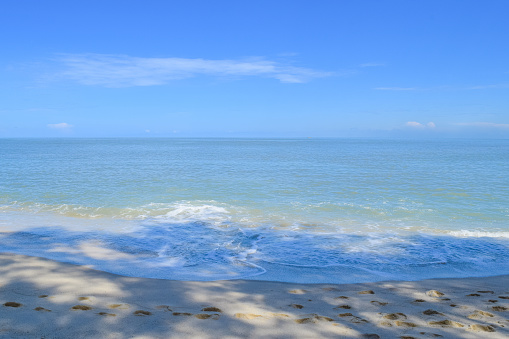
pixel 295 210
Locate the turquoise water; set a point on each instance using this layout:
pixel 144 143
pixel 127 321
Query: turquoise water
pixel 300 210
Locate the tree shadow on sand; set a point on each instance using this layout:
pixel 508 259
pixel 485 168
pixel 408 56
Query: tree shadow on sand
pixel 44 298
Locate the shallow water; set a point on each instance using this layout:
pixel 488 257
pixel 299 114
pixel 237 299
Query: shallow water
pixel 299 210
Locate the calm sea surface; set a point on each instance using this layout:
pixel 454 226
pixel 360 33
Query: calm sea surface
pixel 297 210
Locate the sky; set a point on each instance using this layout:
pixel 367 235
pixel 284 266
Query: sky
pixel 278 68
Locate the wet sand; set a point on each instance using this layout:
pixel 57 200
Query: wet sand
pixel 40 298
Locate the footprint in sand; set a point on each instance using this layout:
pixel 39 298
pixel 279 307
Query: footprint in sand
pixel 141 313
pixel 247 316
pixel 357 320
pixel 42 309
pixel 305 321
pixel 12 304
pixel 166 308
pixel 395 316
pixel 446 323
pixel 297 306
pixel 494 308
pixel 481 328
pixel 404 323
pixel 107 314
pixel 352 318
pixel 398 323
pixel 313 318
pixel 366 292
pixel 207 316
pixel 211 309
pixel 480 315
pixel 119 306
pixel 81 308
pixel 298 291
pixel 182 314
pixel 431 312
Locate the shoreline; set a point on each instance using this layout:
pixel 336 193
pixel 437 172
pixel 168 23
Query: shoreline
pixel 44 298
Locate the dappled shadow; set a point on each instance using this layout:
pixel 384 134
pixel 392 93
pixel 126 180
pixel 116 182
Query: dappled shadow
pixel 43 298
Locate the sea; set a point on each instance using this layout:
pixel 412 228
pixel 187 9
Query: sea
pixel 305 210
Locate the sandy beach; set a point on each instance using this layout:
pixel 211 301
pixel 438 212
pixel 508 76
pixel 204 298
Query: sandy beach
pixel 40 298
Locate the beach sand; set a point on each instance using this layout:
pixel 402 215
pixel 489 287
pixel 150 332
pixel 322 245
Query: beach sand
pixel 40 298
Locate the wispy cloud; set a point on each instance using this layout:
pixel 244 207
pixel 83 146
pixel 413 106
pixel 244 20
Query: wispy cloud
pixel 484 125
pixel 60 126
pixel 125 71
pixel 395 88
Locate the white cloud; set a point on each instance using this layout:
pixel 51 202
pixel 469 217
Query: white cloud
pixel 62 125
pixel 415 124
pixel 484 125
pixel 395 88
pixel 125 71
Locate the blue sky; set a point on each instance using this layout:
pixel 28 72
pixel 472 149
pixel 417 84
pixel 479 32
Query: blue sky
pixel 254 68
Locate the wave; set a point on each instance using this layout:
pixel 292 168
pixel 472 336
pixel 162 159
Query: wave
pixel 181 211
pixel 209 240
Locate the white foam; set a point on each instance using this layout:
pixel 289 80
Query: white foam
pixel 191 212
pixel 479 234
